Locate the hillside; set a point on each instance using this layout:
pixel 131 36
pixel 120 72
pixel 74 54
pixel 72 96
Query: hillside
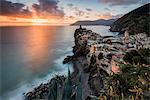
pixel 95 22
pixel 136 21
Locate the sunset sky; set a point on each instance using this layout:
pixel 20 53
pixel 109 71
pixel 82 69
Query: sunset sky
pixel 61 12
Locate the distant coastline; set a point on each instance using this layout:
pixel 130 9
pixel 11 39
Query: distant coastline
pixel 95 22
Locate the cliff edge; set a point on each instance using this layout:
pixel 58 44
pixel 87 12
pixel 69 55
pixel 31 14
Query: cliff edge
pixel 137 21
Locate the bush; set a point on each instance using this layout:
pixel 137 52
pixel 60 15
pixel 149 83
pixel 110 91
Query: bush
pixel 132 80
pixel 100 56
pixel 137 57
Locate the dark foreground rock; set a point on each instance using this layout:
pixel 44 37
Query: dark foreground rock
pixel 45 90
pixel 68 59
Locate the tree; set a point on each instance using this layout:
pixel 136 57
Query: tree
pixel 138 57
pixel 100 56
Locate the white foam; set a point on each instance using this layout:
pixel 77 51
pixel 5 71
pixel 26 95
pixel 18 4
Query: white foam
pixel 62 70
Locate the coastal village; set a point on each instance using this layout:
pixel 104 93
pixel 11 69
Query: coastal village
pixel 110 50
pixel 95 58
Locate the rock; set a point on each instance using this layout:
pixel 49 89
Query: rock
pixel 68 59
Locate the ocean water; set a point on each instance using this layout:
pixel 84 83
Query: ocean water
pixel 31 55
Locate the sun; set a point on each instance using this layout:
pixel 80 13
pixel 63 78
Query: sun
pixel 38 21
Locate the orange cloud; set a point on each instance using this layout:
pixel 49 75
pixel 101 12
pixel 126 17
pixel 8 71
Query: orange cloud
pixel 104 16
pixel 46 12
pixel 48 8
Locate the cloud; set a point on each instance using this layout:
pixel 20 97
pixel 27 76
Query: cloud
pixel 72 17
pixel 108 16
pixel 48 8
pixel 9 8
pixel 123 2
pixel 117 16
pixel 44 8
pixel 87 16
pixel 70 5
pixel 107 9
pixel 88 9
pixel 78 12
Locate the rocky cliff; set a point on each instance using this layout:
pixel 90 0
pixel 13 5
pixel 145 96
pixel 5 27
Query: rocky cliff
pixel 136 21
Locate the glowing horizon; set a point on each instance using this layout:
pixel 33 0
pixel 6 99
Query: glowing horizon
pixel 17 21
pixel 62 12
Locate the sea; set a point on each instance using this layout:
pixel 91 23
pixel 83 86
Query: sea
pixel 31 55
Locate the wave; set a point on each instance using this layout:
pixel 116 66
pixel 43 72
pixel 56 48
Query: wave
pixel 58 69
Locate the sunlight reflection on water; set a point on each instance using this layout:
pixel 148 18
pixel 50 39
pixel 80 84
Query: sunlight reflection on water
pixel 30 55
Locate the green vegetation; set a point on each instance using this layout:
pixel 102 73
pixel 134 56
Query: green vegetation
pixel 137 21
pixel 79 89
pixel 53 95
pixel 100 56
pixel 131 82
pixel 67 92
pixel 93 60
pixel 80 50
pixel 56 93
pixel 138 57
